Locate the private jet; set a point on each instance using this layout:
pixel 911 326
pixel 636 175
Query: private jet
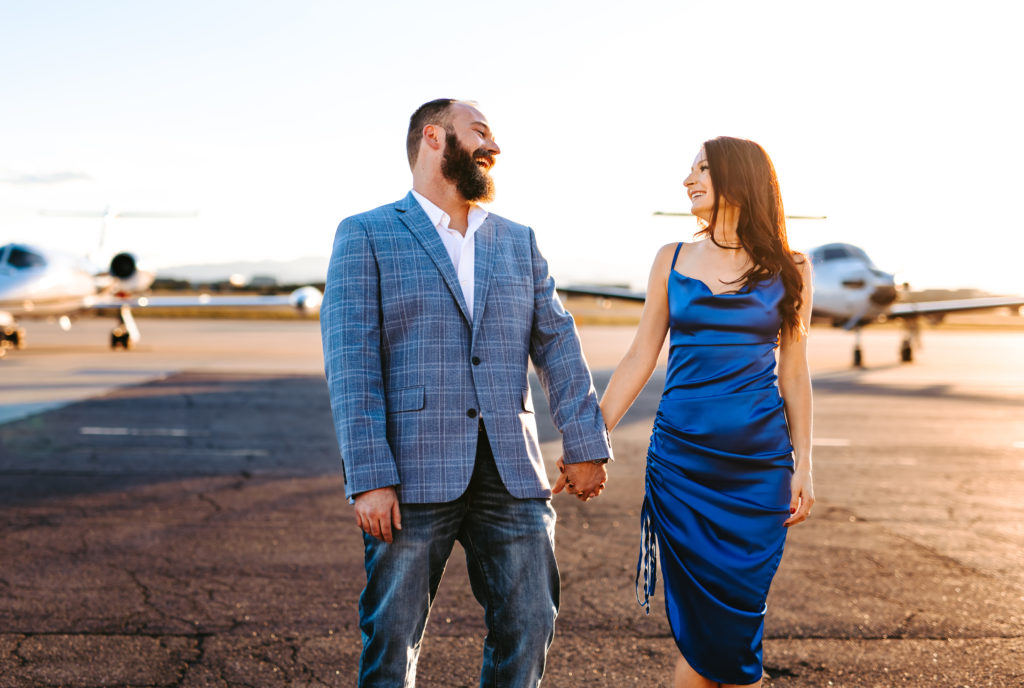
pixel 850 292
pixel 37 283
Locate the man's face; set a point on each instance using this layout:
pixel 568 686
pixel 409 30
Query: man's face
pixel 469 151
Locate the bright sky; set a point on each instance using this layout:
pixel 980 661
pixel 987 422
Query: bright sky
pixel 901 121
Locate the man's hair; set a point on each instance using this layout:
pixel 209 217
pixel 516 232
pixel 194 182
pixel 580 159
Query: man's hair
pixel 434 112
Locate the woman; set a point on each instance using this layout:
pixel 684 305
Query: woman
pixel 729 464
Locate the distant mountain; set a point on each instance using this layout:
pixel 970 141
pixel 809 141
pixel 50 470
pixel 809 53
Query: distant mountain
pixel 298 271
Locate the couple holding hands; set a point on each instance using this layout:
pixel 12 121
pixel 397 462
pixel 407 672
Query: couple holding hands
pixel 433 310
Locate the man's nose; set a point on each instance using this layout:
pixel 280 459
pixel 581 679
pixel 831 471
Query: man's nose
pixel 493 147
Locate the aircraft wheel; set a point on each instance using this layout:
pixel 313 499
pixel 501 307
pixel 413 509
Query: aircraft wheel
pixel 119 337
pixel 906 353
pixel 18 338
pixel 858 358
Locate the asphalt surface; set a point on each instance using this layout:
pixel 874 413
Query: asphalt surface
pixel 187 526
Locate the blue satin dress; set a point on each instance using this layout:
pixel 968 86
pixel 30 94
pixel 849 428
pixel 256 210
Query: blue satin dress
pixel 718 476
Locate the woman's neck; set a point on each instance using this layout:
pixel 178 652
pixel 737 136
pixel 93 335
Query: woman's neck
pixel 725 230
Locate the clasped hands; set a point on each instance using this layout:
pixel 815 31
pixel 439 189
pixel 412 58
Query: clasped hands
pixel 585 480
pixel 378 514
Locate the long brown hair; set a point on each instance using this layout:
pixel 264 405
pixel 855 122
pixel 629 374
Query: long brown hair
pixel 743 174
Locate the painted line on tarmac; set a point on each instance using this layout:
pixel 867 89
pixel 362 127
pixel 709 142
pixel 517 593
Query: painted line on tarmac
pixel 831 442
pixel 134 432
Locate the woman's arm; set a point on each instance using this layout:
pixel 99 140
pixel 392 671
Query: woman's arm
pixel 795 387
pixel 635 368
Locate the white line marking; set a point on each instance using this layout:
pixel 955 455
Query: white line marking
pixel 134 432
pixel 1018 445
pixel 237 452
pixel 831 442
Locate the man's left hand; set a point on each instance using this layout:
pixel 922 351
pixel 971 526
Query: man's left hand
pixel 585 480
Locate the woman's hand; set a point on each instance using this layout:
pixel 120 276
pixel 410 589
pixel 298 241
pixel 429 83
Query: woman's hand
pixel 803 498
pixel 562 480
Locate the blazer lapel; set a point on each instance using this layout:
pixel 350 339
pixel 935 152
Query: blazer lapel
pixel 413 217
pixel 483 258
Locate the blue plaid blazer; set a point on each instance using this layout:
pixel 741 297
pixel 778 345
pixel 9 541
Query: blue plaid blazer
pixel 409 372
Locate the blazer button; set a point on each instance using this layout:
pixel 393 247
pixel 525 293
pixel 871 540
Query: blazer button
pixel 476 360
pixel 471 413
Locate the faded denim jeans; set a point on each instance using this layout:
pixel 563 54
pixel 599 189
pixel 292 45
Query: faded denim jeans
pixel 510 555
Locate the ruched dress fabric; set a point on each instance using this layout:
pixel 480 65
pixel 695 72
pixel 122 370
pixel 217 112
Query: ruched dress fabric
pixel 718 476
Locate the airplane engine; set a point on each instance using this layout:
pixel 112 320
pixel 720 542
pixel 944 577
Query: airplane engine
pixel 123 266
pixel 129 276
pixel 306 299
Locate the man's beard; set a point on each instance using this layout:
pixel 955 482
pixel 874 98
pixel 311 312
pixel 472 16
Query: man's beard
pixel 459 166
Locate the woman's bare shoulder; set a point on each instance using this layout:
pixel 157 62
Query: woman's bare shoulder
pixel 803 263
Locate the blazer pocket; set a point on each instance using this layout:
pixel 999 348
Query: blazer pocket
pixel 514 282
pixel 527 401
pixel 507 278
pixel 405 399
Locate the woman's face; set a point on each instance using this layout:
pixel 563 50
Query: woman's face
pixel 699 189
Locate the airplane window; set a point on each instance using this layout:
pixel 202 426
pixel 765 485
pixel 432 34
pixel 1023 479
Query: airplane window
pixel 20 258
pixel 859 253
pixel 835 252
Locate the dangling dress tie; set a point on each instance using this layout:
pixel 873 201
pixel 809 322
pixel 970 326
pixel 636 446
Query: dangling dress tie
pixel 647 564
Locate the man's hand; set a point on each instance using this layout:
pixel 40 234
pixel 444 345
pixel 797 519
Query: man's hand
pixel 585 480
pixel 376 512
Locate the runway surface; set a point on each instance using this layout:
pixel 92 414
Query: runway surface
pixel 174 516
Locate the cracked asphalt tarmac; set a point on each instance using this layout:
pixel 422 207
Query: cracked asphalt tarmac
pixel 192 531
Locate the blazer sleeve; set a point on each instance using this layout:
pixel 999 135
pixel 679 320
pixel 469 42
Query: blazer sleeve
pixel 558 357
pixel 350 324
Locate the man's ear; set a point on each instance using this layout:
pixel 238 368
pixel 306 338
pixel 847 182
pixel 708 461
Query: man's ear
pixel 433 136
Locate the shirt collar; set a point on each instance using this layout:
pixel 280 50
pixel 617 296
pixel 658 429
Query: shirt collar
pixel 441 220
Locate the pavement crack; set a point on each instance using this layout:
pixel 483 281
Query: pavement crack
pixel 199 647
pixel 901 630
pixel 148 603
pixel 950 561
pixel 16 650
pixel 217 508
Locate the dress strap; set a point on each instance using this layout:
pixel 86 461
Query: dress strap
pixel 647 564
pixel 676 255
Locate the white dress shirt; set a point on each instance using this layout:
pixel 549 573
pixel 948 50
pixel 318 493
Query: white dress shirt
pixel 461 249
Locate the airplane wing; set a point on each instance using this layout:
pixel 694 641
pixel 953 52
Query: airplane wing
pixel 602 292
pixel 305 299
pixel 910 310
pixel 896 310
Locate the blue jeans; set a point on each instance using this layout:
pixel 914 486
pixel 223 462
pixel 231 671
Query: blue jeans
pixel 510 554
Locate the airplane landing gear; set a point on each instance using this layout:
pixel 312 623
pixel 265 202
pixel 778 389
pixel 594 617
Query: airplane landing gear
pixel 12 337
pixel 911 336
pixel 858 356
pixel 120 337
pixel 906 351
pixel 126 333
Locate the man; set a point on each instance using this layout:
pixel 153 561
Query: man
pixel 432 309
